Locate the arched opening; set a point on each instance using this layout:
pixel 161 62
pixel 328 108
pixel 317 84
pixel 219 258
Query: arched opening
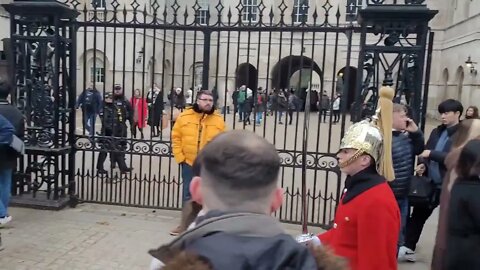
pixel 246 74
pixel 303 79
pixel 297 72
pixel 460 78
pixel 287 66
pixel 348 95
pixel 445 78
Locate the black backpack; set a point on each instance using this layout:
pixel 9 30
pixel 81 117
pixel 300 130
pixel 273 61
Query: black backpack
pixel 89 101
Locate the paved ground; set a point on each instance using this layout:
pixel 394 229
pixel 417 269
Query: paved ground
pixel 100 237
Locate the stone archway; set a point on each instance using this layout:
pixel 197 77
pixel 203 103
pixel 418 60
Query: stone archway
pixel 246 74
pixel 287 66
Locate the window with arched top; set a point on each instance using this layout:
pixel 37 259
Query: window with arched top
pixel 97 71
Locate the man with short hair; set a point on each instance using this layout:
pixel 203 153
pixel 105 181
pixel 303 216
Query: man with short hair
pixel 193 129
pixel 238 188
pixel 432 163
pixel 407 142
pixel 8 158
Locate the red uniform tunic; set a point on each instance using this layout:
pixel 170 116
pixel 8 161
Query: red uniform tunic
pixel 366 229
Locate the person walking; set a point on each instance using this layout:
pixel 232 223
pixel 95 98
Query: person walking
pixel 193 129
pixel 140 113
pixel 407 143
pixel 432 165
pixel 336 108
pixel 155 112
pixel 90 101
pixel 260 106
pixel 13 124
pixel 467 130
pixel 463 234
pixel 324 105
pixel 114 117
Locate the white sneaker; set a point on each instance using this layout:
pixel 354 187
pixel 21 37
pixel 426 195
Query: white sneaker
pixel 410 255
pixel 401 254
pixel 5 220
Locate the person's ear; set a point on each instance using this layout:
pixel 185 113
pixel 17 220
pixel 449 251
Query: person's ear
pixel 277 200
pixel 196 190
pixel 366 160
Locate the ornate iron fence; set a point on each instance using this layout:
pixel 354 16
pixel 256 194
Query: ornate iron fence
pixel 292 46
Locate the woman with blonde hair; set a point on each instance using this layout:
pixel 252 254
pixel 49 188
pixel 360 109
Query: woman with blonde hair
pixel 467 130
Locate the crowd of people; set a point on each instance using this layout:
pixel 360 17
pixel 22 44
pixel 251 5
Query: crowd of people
pixel 394 181
pixel 280 102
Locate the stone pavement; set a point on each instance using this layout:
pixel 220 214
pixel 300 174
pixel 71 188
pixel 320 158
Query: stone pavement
pixel 103 237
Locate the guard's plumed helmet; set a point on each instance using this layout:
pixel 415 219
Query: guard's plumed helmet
pixel 374 137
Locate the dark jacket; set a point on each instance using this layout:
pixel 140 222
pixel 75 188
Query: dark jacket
pixel 404 149
pixel 96 102
pixel 439 156
pixel 463 238
pixel 114 118
pixel 16 118
pixel 240 241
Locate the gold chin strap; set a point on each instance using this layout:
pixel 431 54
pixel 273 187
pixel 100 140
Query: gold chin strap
pixel 351 159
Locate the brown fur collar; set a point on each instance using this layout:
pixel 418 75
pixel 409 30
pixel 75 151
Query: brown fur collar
pixel 324 257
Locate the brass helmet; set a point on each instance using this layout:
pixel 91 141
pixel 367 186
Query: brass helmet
pixel 365 137
pixel 374 137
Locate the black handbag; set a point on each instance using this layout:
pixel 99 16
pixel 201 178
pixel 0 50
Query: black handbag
pixel 421 190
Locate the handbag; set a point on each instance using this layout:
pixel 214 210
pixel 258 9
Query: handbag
pixel 421 190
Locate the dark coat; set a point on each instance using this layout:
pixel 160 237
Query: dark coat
pixel 16 118
pixel 240 241
pixel 96 105
pixel 324 258
pixel 404 149
pixel 439 156
pixel 156 108
pixel 463 238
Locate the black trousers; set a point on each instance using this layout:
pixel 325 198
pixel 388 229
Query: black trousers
pixel 417 219
pixel 324 114
pixel 116 148
pixel 290 116
pixel 336 116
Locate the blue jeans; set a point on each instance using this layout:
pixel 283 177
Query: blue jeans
pixel 259 117
pixel 403 206
pixel 5 188
pixel 187 175
pixel 89 119
pixel 280 115
pixel 241 111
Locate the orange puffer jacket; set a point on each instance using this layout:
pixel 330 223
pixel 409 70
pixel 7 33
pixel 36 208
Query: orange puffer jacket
pixel 192 131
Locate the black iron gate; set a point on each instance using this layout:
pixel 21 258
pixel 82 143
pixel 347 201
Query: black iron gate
pixel 294 47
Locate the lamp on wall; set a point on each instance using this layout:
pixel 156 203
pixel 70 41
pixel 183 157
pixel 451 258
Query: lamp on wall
pixel 471 65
